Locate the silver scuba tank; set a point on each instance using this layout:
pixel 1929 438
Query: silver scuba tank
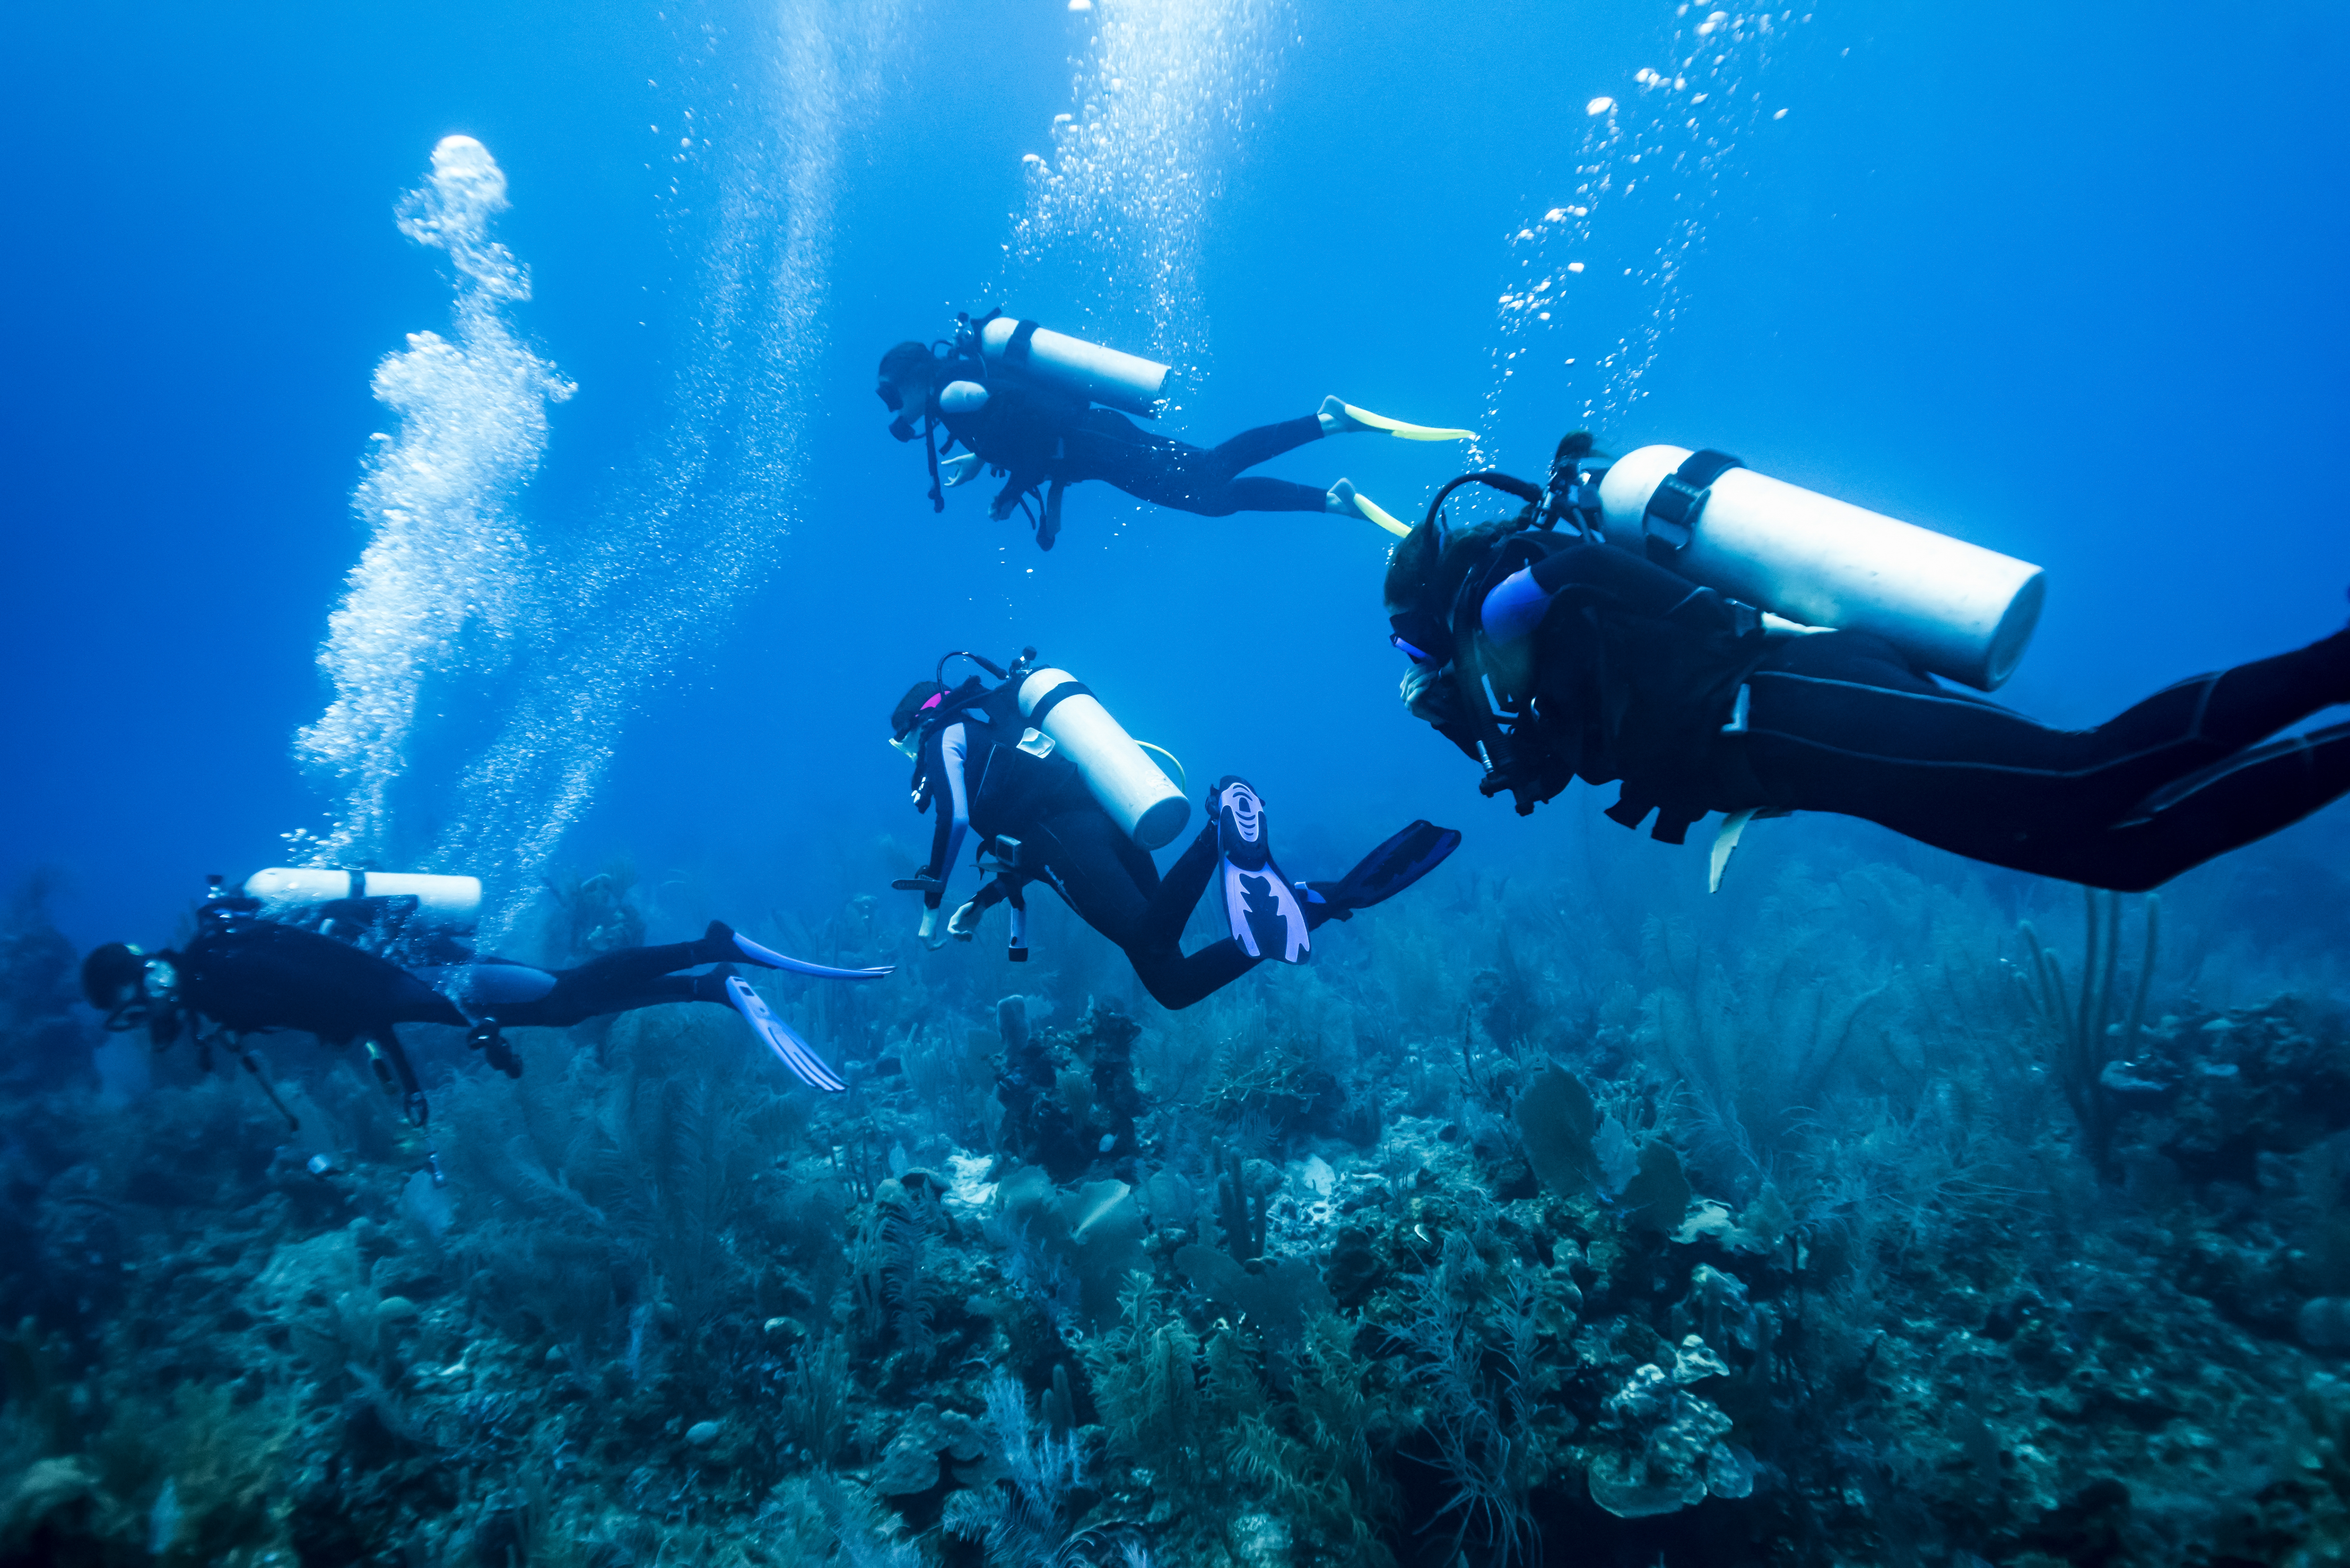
pixel 1138 797
pixel 451 901
pixel 1105 376
pixel 1957 608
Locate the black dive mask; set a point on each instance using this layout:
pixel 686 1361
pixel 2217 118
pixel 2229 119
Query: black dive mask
pixel 903 426
pixel 1422 637
pixel 153 1006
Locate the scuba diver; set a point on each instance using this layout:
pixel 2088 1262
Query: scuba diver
pixel 243 975
pixel 1020 399
pixel 1058 793
pixel 1571 641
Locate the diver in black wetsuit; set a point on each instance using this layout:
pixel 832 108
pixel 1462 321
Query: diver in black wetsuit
pixel 1604 667
pixel 246 975
pixel 1044 438
pixel 1039 822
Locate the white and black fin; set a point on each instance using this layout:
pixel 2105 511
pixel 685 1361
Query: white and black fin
pixel 1259 902
pixel 789 1048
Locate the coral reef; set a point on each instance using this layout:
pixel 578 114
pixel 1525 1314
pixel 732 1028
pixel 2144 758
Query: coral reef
pixel 1892 1230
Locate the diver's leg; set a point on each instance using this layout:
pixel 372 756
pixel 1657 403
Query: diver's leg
pixel 1211 486
pixel 626 965
pixel 584 992
pixel 1112 886
pixel 1265 443
pixel 2251 702
pixel 2253 794
pixel 1838 723
pixel 1176 980
pixel 1253 494
pixel 1169 909
pixel 1096 869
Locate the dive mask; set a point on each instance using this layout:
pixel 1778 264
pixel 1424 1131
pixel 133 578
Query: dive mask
pixel 1423 637
pixel 154 1005
pixel 903 426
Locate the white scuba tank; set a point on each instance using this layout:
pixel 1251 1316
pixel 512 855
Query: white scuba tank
pixel 1138 797
pixel 1106 375
pixel 1957 608
pixel 454 901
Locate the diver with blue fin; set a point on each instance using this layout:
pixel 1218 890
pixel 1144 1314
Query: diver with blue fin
pixel 1715 640
pixel 252 968
pixel 1059 794
pixel 1022 400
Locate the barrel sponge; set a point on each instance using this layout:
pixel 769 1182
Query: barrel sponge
pixel 2324 1323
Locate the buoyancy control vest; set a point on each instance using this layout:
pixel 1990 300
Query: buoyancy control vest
pixel 1597 690
pixel 1007 786
pixel 1045 743
pixel 1003 388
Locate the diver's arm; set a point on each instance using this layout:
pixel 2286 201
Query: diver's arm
pixel 1518 603
pixel 1023 435
pixel 954 822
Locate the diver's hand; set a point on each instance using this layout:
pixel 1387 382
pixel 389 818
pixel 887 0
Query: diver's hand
pixel 1507 778
pixel 961 470
pixel 1427 694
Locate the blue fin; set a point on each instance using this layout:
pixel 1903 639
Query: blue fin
pixel 1265 916
pixel 1389 869
pixel 788 1047
pixel 768 957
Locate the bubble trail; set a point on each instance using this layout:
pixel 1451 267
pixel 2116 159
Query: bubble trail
pixel 669 562
pixel 1600 271
pixel 440 585
pixel 1113 224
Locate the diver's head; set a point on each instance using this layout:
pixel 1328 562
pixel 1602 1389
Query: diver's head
pixel 907 717
pixel 908 372
pixel 113 975
pixel 1424 576
pixel 133 988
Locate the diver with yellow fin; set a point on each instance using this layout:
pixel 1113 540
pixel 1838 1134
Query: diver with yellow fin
pixel 1059 793
pixel 1021 400
pixel 1716 639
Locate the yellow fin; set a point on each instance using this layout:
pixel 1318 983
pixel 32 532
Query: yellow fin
pixel 1345 500
pixel 1379 514
pixel 1401 431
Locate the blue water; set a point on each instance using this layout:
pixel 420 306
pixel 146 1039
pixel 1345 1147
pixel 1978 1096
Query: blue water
pixel 620 565
pixel 2059 284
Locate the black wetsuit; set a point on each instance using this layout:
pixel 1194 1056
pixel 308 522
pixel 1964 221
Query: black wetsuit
pixel 1637 676
pixel 973 772
pixel 518 996
pixel 252 975
pixel 1037 436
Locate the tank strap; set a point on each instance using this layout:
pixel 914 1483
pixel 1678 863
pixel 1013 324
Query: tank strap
pixel 1023 337
pixel 1670 520
pixel 1054 698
